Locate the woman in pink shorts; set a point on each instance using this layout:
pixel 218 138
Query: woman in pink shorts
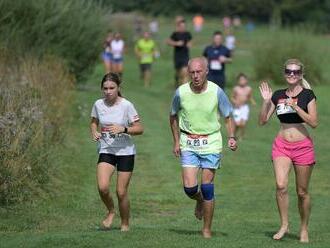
pixel 295 107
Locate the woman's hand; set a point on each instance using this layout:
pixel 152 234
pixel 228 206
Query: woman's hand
pixel 116 129
pixel 265 91
pixel 96 136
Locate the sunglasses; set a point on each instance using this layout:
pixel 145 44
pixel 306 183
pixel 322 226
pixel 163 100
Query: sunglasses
pixel 292 72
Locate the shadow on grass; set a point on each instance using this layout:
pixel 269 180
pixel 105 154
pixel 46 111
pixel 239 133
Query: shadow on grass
pixel 195 232
pixel 104 229
pixel 286 236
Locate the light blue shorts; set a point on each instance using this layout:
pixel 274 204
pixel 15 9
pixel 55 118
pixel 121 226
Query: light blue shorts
pixel 204 161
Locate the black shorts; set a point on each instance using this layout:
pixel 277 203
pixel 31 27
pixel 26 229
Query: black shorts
pixel 145 67
pixel 122 162
pixel 179 63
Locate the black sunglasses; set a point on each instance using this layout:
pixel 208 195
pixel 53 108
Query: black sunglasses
pixel 294 72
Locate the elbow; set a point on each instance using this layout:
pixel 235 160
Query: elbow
pixel 314 124
pixel 141 131
pixel 262 122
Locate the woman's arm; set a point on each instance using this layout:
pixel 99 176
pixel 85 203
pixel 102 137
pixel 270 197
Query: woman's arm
pixel 267 107
pixel 311 117
pixel 93 129
pixel 135 129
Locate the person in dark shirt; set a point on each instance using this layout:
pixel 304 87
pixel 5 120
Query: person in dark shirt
pixel 294 106
pixel 217 55
pixel 181 40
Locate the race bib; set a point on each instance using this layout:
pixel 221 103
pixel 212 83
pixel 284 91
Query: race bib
pixel 113 140
pixel 282 108
pixel 197 141
pixel 215 65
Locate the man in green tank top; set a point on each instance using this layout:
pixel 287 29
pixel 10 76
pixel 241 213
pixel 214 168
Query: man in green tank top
pixel 145 50
pixel 194 118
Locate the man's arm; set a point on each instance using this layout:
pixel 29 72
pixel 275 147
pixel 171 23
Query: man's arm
pixel 175 134
pixel 230 127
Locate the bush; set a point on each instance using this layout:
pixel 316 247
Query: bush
pixel 34 100
pixel 271 52
pixel 72 30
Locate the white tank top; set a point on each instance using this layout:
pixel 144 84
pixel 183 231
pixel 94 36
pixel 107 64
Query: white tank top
pixel 117 48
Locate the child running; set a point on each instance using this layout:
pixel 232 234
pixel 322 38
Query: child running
pixel 241 96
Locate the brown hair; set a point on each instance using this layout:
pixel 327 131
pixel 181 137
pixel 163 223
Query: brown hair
pixel 113 77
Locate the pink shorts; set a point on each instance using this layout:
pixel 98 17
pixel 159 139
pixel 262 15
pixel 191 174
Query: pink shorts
pixel 300 152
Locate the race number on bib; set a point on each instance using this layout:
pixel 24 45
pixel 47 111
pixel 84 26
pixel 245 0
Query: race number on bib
pixel 283 108
pixel 197 141
pixel 215 65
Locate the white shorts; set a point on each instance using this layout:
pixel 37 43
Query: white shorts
pixel 241 113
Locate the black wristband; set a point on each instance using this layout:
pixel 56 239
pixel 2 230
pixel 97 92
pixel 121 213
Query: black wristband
pixel 125 130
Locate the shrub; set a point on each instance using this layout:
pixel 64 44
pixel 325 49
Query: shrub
pixel 72 30
pixel 34 100
pixel 271 52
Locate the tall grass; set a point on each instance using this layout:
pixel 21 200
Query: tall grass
pixel 34 100
pixel 69 29
pixel 271 52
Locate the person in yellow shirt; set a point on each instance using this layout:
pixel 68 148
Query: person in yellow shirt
pixel 145 50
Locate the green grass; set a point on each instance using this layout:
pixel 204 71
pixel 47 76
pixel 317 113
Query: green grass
pixel 162 216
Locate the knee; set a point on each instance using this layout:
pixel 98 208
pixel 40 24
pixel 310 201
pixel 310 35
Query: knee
pixel 207 191
pixel 103 190
pixel 191 191
pixel 302 193
pixel 121 193
pixel 281 189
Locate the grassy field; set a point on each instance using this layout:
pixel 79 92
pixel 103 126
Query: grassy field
pixel 162 216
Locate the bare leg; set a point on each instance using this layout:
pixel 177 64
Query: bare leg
pixel 183 75
pixel 282 167
pixel 208 206
pixel 123 180
pixel 303 174
pixel 147 78
pixel 189 178
pixel 104 173
pixel 107 66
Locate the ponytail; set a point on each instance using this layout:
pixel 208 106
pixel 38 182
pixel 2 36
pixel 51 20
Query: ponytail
pixel 305 84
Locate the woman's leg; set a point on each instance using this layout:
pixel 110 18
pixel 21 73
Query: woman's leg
pixel 282 167
pixel 123 179
pixel 104 173
pixel 303 174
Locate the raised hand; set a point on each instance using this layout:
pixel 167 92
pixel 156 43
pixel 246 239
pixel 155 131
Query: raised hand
pixel 265 91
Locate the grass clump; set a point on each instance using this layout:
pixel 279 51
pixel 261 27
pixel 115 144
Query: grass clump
pixel 34 104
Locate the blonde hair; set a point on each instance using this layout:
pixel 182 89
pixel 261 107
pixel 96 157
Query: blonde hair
pixel 297 62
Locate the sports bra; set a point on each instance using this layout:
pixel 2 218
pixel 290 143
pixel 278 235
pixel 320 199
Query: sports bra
pixel 287 114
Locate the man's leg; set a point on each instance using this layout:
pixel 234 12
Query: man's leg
pixel 207 189
pixel 189 178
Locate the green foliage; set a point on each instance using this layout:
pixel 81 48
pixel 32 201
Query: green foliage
pixel 277 12
pixel 34 99
pixel 271 52
pixel 72 30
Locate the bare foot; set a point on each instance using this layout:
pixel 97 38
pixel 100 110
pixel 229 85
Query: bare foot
pixel 107 222
pixel 280 234
pixel 199 209
pixel 206 234
pixel 124 228
pixel 304 236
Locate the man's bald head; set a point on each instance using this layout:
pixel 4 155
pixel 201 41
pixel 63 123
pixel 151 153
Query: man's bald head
pixel 199 60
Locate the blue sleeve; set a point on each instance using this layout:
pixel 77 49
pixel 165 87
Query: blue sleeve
pixel 175 103
pixel 224 105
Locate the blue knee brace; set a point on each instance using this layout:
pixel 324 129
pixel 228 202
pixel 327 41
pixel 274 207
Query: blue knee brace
pixel 207 191
pixel 191 191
